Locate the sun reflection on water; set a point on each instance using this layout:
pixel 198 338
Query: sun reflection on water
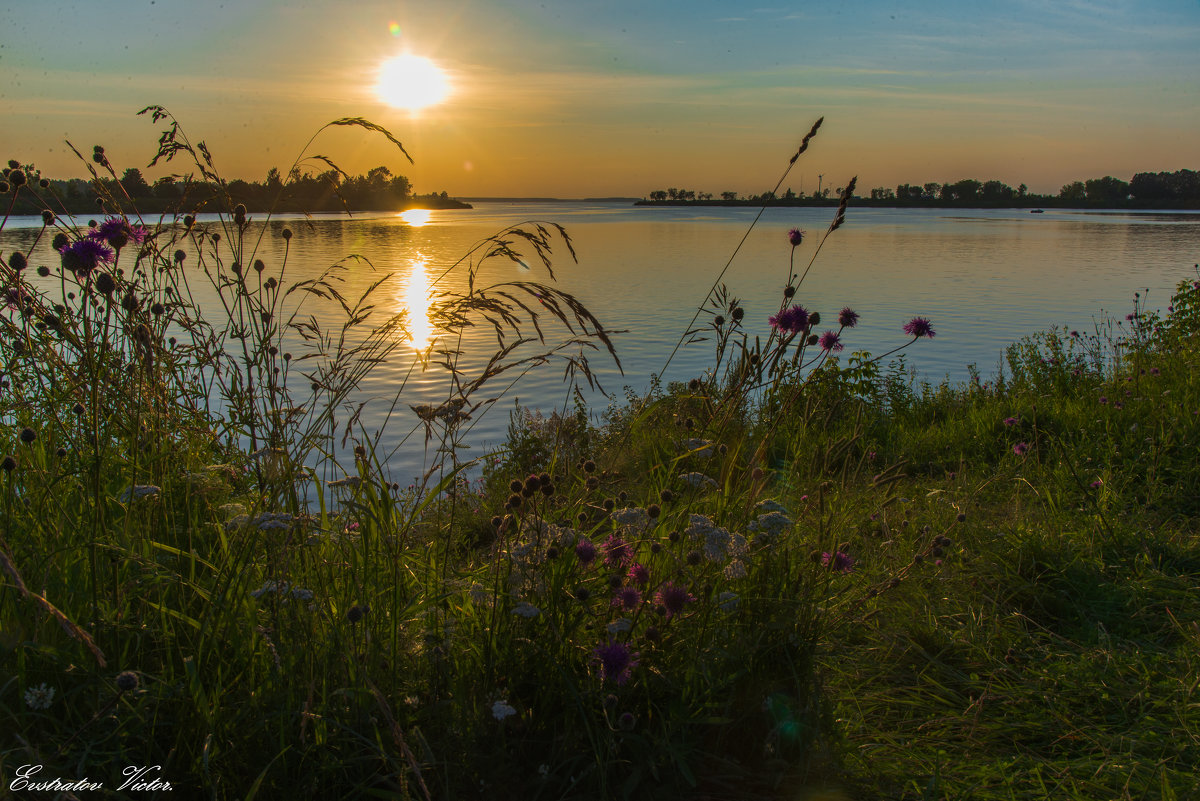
pixel 416 217
pixel 416 303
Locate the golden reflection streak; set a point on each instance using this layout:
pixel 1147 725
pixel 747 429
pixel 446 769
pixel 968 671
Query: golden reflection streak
pixel 416 303
pixel 416 217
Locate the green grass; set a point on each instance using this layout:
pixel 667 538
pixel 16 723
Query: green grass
pixel 1009 626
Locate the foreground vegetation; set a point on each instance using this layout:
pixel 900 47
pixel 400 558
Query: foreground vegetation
pixel 797 575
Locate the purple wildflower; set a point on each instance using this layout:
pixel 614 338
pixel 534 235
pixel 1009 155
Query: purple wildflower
pixel 117 232
pixel 639 573
pixel 1010 421
pixel 673 598
pixel 919 327
pixel 1021 448
pixel 795 236
pixel 615 660
pixel 1097 483
pixel 616 551
pixel 585 550
pixel 848 318
pixel 1103 399
pixel 793 320
pixel 830 341
pixel 628 598
pixel 841 561
pixel 84 255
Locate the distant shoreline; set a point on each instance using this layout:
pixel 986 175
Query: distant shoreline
pixel 153 205
pixel 861 202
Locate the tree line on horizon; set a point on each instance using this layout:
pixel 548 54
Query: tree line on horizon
pixel 1180 188
pixel 331 190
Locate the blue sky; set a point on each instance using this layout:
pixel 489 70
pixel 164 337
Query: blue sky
pixel 590 98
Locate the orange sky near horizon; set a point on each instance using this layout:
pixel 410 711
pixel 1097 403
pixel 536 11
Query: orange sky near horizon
pixel 618 99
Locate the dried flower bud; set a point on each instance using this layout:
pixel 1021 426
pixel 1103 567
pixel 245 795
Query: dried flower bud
pixel 127 681
pixel 105 284
pixel 28 435
pixel 239 214
pixel 287 233
pixel 9 464
pixel 17 261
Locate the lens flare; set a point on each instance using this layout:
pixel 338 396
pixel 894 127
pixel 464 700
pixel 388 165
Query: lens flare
pixel 394 28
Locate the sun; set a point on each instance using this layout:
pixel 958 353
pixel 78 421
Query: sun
pixel 411 82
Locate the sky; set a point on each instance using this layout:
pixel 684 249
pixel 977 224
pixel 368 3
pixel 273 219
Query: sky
pixel 583 98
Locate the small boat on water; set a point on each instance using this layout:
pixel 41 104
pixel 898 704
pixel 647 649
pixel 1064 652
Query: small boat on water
pixel 1037 211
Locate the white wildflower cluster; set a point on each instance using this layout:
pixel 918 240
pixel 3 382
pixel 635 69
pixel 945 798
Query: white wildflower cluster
pixel 267 521
pixel 770 505
pixel 634 519
pixel 719 543
pixel 526 610
pixel 478 594
pixel 349 482
pixel 137 492
pixel 231 510
pixel 736 569
pixel 770 526
pixel 697 481
pixel 501 710
pixel 619 625
pixel 697 447
pixel 39 697
pixel 284 590
pixel 545 531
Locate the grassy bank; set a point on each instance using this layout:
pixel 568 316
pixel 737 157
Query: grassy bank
pixel 799 575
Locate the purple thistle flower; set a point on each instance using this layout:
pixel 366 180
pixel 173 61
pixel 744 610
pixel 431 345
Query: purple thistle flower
pixel 919 327
pixel 615 660
pixel 84 255
pixel 1097 483
pixel 1103 399
pixel 793 320
pixel 841 561
pixel 1021 448
pixel 1010 421
pixel 830 341
pixel 639 573
pixel 616 551
pixel 585 550
pixel 628 598
pixel 673 598
pixel 795 236
pixel 848 318
pixel 117 232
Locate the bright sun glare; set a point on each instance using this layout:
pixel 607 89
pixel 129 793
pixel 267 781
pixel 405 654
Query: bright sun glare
pixel 411 82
